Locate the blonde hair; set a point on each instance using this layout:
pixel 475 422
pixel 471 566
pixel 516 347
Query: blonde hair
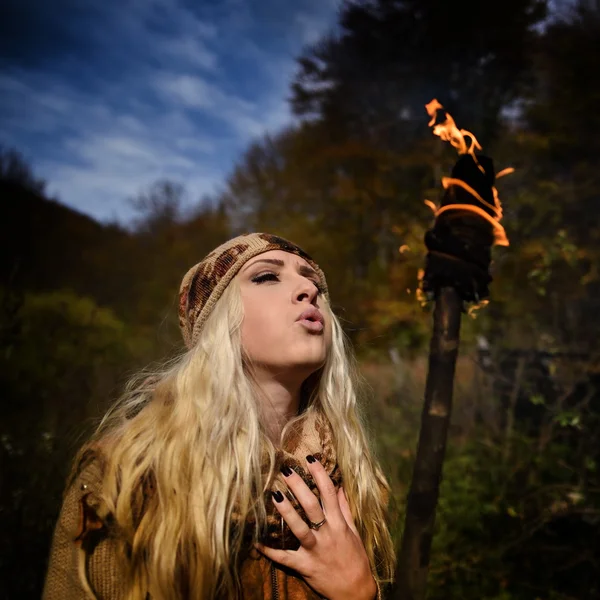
pixel 193 434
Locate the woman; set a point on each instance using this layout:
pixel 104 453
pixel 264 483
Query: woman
pixel 241 470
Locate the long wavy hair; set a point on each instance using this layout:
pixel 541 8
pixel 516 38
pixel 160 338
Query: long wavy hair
pixel 194 435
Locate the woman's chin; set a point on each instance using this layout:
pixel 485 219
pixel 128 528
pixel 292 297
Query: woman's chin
pixel 312 362
pixel 303 365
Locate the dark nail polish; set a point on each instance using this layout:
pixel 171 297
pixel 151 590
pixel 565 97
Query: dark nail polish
pixel 286 471
pixel 311 459
pixel 277 496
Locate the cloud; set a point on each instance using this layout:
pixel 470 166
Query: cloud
pixel 113 162
pixel 107 153
pixel 190 51
pixel 310 28
pixel 117 170
pixel 189 91
pixel 108 97
pixel 245 118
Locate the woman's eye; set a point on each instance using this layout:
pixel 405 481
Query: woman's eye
pixel 265 277
pixel 319 287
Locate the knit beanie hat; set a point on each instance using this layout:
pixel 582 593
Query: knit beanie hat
pixel 205 282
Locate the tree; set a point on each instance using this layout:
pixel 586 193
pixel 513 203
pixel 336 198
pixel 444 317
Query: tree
pixel 63 356
pixel 159 207
pixel 169 239
pixel 371 79
pixel 14 169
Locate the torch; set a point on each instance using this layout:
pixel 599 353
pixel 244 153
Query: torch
pixel 467 225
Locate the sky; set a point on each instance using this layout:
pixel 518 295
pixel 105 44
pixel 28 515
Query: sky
pixel 105 97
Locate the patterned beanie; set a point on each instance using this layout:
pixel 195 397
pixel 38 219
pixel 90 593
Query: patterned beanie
pixel 206 281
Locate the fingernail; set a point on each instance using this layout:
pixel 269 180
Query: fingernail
pixel 277 496
pixel 286 471
pixel 311 459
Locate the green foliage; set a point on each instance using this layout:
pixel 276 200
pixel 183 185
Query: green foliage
pixel 82 305
pixel 513 526
pixel 62 357
pixel 56 343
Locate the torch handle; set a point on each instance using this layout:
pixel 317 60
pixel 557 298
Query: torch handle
pixel 413 563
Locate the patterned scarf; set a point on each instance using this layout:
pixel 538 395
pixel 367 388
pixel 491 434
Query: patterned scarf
pixel 312 435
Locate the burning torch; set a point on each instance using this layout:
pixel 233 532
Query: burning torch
pixel 467 225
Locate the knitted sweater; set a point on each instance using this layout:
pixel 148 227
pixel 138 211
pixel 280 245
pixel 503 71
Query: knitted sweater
pixel 84 558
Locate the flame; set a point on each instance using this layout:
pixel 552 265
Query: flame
pixel 472 310
pixel 448 181
pixel 419 293
pixel 404 248
pixel 431 205
pixel 449 132
pixel 504 172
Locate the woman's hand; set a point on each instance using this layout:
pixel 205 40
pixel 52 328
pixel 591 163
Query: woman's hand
pixel 332 558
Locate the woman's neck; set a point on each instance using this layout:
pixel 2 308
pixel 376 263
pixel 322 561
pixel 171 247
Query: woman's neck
pixel 281 401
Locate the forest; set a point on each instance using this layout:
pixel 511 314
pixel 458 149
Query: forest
pixel 84 304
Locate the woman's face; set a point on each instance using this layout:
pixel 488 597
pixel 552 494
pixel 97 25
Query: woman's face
pixel 285 331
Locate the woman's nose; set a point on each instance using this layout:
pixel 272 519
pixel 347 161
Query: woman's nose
pixel 307 290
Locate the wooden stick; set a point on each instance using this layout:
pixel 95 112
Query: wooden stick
pixel 413 561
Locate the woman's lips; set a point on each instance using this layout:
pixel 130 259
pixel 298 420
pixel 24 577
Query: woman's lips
pixel 312 319
pixel 315 326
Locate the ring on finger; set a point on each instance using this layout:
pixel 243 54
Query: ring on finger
pixel 317 525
